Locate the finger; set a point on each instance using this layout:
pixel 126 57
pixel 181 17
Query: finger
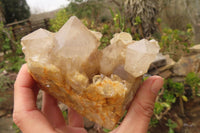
pixel 69 129
pixel 25 113
pixel 74 119
pixel 141 110
pixel 52 111
pixel 24 96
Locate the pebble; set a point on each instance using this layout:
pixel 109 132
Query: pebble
pixel 2 112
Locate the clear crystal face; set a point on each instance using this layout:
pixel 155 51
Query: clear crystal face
pixel 139 56
pixel 38 44
pixel 75 41
pixel 98 84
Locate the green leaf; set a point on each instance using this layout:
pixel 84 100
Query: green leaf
pixel 185 99
pixel 171 131
pixel 106 130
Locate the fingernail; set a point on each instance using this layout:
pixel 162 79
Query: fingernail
pixel 157 84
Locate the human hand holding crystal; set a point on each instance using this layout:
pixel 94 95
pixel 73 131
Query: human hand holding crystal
pixel 50 120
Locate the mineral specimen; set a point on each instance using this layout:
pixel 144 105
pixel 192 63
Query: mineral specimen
pixel 98 84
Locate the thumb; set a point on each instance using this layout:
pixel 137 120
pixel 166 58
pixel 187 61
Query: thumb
pixel 141 109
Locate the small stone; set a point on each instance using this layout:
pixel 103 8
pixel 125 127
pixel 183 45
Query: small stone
pixel 163 70
pixel 154 72
pixel 62 107
pixel 5 72
pixel 169 64
pixel 158 62
pixel 2 112
pixel 178 79
pixel 1 54
pixel 165 74
pixel 186 65
pixel 195 49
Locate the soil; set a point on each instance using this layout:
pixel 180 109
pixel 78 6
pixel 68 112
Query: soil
pixel 6 105
pixel 192 119
pixel 189 122
pixel 6 124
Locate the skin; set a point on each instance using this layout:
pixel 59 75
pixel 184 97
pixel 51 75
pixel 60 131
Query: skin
pixel 50 120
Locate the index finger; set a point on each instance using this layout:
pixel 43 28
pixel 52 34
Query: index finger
pixel 25 91
pixel 25 113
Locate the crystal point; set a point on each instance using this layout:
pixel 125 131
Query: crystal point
pixel 74 40
pixel 139 56
pixel 37 44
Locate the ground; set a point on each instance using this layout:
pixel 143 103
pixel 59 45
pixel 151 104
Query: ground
pixel 6 103
pixel 187 123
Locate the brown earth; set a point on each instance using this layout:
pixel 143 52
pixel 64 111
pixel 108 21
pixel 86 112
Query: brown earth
pixel 187 123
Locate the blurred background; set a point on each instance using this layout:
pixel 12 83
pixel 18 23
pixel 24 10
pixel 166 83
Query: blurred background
pixel 175 24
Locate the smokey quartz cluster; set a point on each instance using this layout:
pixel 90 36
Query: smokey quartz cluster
pixel 98 84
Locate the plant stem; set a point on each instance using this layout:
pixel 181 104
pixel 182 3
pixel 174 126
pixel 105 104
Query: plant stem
pixel 193 92
pixel 181 106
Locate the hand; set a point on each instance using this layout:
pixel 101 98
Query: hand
pixel 141 109
pixel 50 120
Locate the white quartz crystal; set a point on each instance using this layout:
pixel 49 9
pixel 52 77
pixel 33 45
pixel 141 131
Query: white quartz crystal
pixel 38 44
pixel 139 56
pixel 75 43
pixel 98 84
pixel 114 54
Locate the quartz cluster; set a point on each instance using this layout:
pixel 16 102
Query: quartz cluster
pixel 98 84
